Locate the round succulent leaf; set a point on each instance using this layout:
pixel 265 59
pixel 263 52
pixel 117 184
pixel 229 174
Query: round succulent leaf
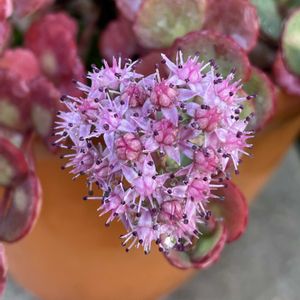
pixel 269 17
pixel 213 255
pixel 264 102
pixel 13 164
pixel 291 43
pixel 129 8
pixel 233 210
pixel 179 259
pixel 3 269
pixel 227 54
pixel 286 80
pixel 159 23
pixel 207 242
pixel 44 105
pixel 15 137
pixel 19 209
pixel 233 18
pixel 22 62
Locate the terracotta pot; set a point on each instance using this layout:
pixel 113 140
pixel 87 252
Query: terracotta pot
pixel 70 255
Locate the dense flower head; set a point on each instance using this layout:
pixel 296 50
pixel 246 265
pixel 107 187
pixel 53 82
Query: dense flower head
pixel 157 147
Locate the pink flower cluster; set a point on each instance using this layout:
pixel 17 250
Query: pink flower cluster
pixel 157 147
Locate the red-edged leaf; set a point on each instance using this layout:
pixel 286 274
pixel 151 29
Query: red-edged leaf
pixel 234 18
pixel 209 248
pixel 179 259
pixel 14 102
pixel 3 269
pixel 123 42
pixel 13 164
pixel 290 43
pixel 288 81
pixel 233 209
pixel 224 51
pixel 19 209
pixel 159 23
pixel 129 8
pixel 53 40
pixel 264 103
pixel 20 61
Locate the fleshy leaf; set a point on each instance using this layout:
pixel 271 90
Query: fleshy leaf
pixel 233 18
pixel 123 42
pixel 20 208
pixel 270 19
pixel 3 269
pixel 288 81
pixel 20 61
pixel 48 38
pixel 179 259
pixel 15 137
pixel 226 53
pixel 214 246
pixel 14 108
pixel 264 103
pixel 206 244
pixel 44 97
pixel 233 209
pixel 291 43
pixel 129 8
pixel 159 23
pixel 13 164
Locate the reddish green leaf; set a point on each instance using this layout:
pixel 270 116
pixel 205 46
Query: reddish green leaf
pixel 233 209
pixel 44 105
pixel 207 243
pixel 224 51
pixel 264 103
pixel 211 249
pixel 159 23
pixel 179 259
pixel 19 209
pixel 291 43
pixel 288 81
pixel 13 164
pixel 233 18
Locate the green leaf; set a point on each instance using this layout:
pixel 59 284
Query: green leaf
pixel 159 23
pixel 291 43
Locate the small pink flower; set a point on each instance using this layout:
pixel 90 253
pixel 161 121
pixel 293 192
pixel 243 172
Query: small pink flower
pixel 163 95
pixel 128 147
pixel 155 146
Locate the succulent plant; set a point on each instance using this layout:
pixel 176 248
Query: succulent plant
pixel 44 45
